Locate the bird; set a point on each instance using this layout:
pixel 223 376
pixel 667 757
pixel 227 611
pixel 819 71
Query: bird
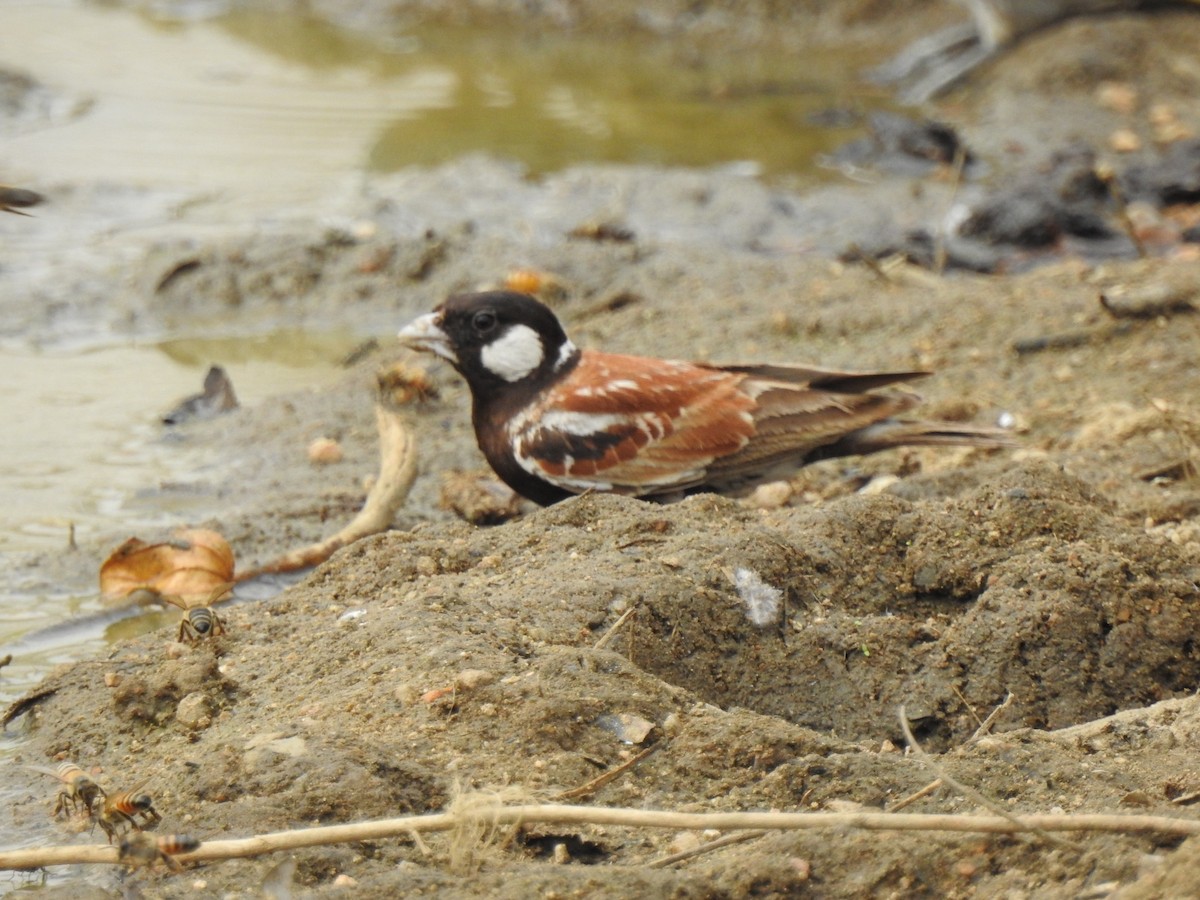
pixel 554 421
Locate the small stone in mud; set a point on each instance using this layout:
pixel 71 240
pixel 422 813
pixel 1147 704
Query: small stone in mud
pixel 479 498
pixel 1124 140
pixel 771 495
pixel 407 694
pixel 1119 96
pixel 470 679
pixel 324 451
pixel 194 711
pixel 683 842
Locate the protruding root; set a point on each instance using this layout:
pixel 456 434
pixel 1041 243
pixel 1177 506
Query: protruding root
pixel 398 386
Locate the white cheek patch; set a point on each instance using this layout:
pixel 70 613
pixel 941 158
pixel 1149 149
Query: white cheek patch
pixel 514 354
pixel 565 352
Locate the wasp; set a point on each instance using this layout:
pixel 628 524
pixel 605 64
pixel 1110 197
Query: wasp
pixel 199 620
pixel 140 849
pixel 77 787
pixel 123 809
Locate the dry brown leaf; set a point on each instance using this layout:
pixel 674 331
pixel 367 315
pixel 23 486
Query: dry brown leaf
pixel 191 565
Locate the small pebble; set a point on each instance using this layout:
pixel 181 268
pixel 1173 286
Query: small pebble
pixel 1117 96
pixel 324 451
pixel 469 679
pixel 683 842
pixel 194 711
pixel 771 495
pixel 1124 141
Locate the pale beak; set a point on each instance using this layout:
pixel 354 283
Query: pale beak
pixel 425 333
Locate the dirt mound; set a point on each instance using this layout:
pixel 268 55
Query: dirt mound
pixel 452 659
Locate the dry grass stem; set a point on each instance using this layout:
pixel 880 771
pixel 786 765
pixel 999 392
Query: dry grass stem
pixel 489 815
pixel 709 847
pixel 916 795
pixel 986 725
pixel 585 790
pixel 608 635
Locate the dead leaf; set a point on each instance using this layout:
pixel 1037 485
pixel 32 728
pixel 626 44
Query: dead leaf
pixel 191 565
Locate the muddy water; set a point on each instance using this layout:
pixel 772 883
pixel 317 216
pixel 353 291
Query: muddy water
pixel 88 453
pixel 281 108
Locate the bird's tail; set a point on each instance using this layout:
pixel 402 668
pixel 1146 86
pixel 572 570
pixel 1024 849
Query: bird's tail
pixel 892 433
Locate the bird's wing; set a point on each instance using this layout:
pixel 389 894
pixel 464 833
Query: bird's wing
pixel 798 411
pixel 633 425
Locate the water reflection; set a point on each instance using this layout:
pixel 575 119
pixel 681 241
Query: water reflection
pixel 274 104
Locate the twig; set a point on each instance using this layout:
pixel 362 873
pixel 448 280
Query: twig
pixel 1061 341
pixel 740 837
pixel 604 778
pixel 26 703
pixel 629 818
pixel 986 725
pixel 1021 823
pixel 916 795
pixel 397 471
pixel 607 636
pixel 963 700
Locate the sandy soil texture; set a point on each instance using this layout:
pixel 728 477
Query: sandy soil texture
pixel 441 658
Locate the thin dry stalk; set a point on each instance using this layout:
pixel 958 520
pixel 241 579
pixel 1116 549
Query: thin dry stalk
pixel 966 703
pixel 986 725
pixel 916 795
pixel 709 847
pixel 608 635
pixel 586 790
pixel 493 816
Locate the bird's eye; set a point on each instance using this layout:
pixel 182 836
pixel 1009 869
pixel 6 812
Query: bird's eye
pixel 484 321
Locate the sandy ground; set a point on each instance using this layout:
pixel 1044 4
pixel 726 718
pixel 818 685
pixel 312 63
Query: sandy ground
pixel 1065 573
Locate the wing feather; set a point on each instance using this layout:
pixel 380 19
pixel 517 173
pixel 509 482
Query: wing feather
pixel 640 425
